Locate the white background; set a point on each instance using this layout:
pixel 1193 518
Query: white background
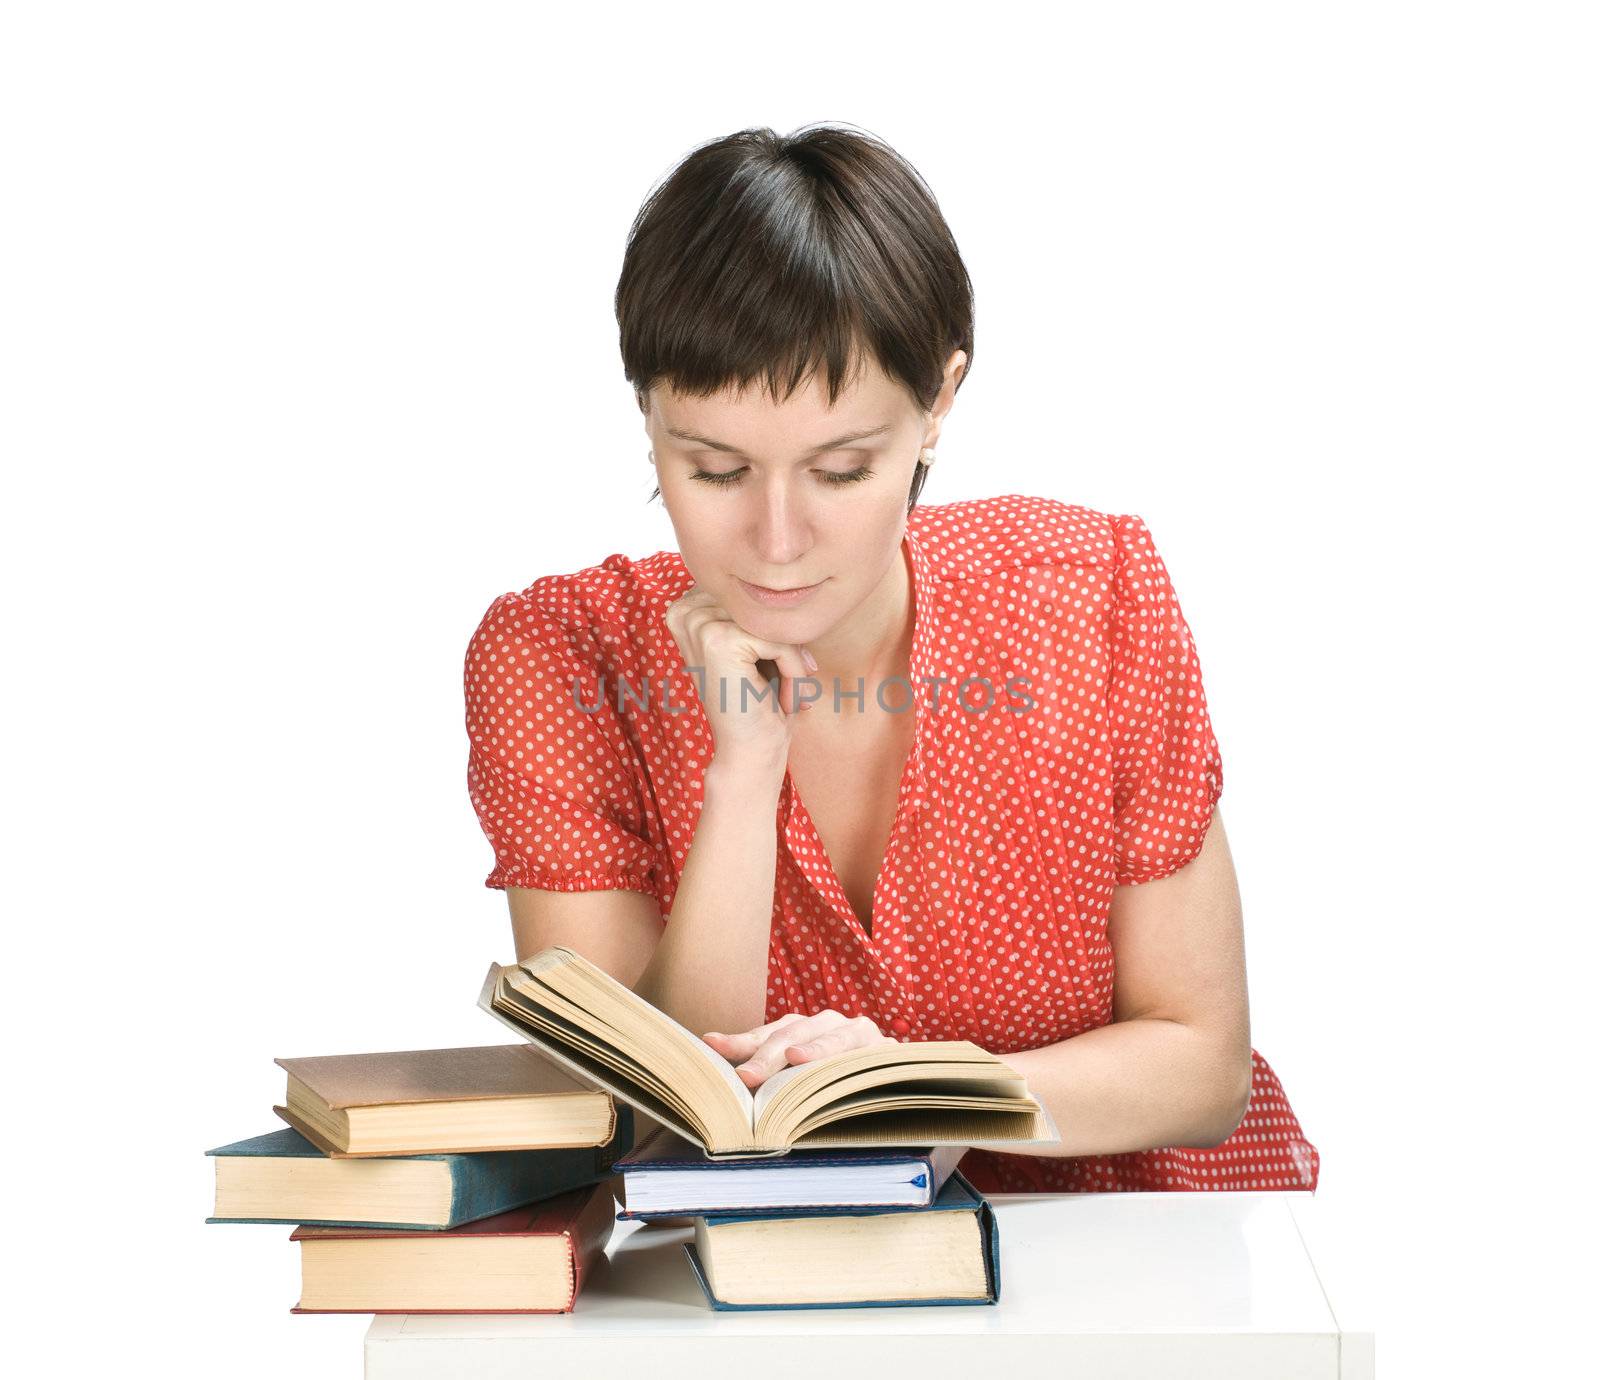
pixel 309 354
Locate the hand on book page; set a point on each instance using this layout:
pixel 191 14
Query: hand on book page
pixel 793 1039
pixel 875 1091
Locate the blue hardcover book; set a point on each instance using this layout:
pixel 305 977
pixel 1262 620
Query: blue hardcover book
pixel 437 1192
pixel 945 1253
pixel 667 1176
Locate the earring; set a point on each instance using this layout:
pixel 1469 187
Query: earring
pixel 926 457
pixel 652 457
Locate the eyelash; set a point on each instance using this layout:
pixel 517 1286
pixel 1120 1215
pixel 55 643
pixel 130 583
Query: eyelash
pixel 828 477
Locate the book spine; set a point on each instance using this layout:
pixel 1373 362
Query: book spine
pixel 990 1230
pixel 589 1234
pixel 486 1184
pixel 621 1143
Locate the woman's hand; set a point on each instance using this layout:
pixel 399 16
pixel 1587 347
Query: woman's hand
pixel 741 725
pixel 793 1039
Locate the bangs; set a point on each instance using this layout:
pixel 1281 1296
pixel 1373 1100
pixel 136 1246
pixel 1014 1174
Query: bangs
pixel 720 351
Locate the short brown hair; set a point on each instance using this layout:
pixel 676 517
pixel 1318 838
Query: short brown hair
pixel 766 255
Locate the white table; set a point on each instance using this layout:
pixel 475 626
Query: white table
pixel 1105 1285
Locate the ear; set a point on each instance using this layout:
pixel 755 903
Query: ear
pixel 954 368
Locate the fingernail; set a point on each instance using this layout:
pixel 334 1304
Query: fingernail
pixel 811 661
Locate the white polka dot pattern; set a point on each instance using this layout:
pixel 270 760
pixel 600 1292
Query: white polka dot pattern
pixel 1012 828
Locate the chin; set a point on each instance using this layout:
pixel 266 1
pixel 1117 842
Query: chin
pixel 783 625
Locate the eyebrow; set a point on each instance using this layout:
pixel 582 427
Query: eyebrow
pixel 834 444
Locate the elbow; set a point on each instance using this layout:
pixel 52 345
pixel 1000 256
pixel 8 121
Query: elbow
pixel 1231 1102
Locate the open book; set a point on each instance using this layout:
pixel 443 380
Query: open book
pixel 947 1092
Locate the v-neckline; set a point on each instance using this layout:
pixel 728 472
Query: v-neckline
pixel 813 858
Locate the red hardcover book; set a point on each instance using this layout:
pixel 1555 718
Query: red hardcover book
pixel 533 1259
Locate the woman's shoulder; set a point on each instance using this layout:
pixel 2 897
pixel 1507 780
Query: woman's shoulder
pixel 977 537
pixel 620 595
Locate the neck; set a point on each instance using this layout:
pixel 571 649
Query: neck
pixel 874 643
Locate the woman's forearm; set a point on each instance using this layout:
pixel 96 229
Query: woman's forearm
pixel 709 969
pixel 1136 1085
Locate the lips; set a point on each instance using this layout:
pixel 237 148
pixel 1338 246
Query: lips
pixel 780 598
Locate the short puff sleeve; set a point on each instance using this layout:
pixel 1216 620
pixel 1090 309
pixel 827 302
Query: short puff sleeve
pixel 553 776
pixel 1168 772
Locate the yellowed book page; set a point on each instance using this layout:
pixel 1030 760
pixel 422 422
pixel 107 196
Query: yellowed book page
pixel 701 1075
pixel 569 1024
pixel 1017 1133
pixel 300 1189
pixel 417 1273
pixel 483 1124
pixel 932 1084
pixel 680 1076
pixel 429 1075
pixel 573 1046
pixel 808 1086
pixel 627 1011
pixel 845 1259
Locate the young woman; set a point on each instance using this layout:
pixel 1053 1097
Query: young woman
pixel 843 769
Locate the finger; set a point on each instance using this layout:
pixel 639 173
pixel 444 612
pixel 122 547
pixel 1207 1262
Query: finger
pixel 732 643
pixel 807 691
pixel 700 615
pixel 744 1044
pixel 798 689
pixel 737 1049
pixel 680 609
pixel 860 1034
pixel 770 1057
pixel 690 626
pixel 795 692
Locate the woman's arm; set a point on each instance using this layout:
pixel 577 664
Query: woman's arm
pixel 709 969
pixel 1173 1067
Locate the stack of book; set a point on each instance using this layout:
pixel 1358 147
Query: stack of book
pixel 802 1194
pixel 821 1229
pixel 434 1181
pixel 480 1180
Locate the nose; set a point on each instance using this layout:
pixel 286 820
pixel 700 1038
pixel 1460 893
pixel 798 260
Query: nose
pixel 783 532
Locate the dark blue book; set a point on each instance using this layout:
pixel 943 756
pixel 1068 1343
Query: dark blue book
pixel 945 1253
pixel 283 1178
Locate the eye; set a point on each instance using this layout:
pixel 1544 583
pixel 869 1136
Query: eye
pixel 854 476
pixel 711 477
pixel 725 477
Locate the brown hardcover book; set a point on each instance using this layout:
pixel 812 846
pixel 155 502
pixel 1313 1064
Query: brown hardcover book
pixel 945 1092
pixel 530 1260
pixel 441 1101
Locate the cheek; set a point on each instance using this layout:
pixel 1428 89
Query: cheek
pixel 704 536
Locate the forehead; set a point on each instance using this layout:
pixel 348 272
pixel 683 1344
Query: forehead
pixel 751 417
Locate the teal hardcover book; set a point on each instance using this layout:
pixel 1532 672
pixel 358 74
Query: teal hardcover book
pixel 449 1189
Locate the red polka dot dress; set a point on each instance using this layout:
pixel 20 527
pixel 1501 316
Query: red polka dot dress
pixel 588 752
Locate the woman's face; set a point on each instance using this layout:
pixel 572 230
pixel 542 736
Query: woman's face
pixel 791 494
